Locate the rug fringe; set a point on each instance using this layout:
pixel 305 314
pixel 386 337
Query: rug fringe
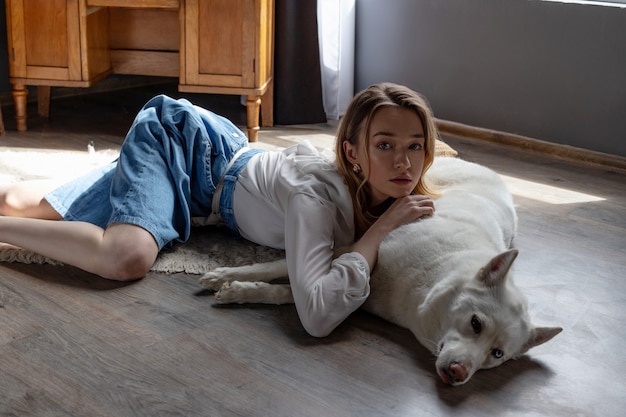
pixel 180 260
pixel 10 253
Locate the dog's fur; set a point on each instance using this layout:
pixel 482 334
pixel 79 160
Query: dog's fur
pixel 446 278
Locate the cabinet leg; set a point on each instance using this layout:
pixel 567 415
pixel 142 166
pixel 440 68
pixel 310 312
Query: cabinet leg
pixel 253 106
pixel 19 98
pixel 43 100
pixel 267 106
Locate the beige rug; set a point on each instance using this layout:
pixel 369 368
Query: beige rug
pixel 208 248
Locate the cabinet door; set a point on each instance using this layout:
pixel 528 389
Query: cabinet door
pixel 219 43
pixel 44 39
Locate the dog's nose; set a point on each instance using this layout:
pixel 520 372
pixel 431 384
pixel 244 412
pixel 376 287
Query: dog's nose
pixel 457 372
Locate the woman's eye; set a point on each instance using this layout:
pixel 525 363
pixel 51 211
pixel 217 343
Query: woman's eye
pixel 476 325
pixel 416 147
pixel 383 145
pixel 497 353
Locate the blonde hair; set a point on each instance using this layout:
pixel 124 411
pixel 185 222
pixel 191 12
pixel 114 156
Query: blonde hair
pixel 354 128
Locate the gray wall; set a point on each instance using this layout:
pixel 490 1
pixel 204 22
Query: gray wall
pixel 547 70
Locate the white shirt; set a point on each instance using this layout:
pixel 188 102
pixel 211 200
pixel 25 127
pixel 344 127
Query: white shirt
pixel 296 200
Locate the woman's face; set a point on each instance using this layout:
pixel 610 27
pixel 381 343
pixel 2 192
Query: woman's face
pixel 396 153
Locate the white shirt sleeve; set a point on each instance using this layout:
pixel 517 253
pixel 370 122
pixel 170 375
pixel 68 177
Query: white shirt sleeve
pixel 325 290
pixel 297 201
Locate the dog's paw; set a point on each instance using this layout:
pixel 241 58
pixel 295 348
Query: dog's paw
pixel 231 292
pixel 253 292
pixel 215 279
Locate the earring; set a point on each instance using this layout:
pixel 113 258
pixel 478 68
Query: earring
pixel 356 168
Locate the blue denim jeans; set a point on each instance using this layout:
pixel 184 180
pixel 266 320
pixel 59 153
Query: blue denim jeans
pixel 169 165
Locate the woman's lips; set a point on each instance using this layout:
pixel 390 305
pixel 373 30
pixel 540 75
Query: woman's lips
pixel 401 180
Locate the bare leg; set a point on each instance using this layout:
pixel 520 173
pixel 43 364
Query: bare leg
pixel 25 199
pixel 121 252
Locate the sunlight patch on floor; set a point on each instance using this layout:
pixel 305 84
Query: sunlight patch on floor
pixel 546 193
pixel 26 163
pixel 319 140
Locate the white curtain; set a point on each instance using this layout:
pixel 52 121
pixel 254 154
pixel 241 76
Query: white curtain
pixel 335 19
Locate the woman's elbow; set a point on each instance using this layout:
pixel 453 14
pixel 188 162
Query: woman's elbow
pixel 319 325
pixel 317 330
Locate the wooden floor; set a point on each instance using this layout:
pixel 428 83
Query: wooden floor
pixel 74 345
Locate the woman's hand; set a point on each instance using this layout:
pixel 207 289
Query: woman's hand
pixel 404 210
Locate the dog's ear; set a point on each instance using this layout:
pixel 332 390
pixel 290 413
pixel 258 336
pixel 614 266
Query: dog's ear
pixel 539 336
pixel 495 271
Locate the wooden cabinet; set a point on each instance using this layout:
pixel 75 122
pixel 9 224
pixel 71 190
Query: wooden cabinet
pixel 54 43
pixel 228 48
pixel 212 46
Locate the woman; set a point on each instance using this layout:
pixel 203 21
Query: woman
pixel 180 163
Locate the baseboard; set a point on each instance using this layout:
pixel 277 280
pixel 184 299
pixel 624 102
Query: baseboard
pixel 604 160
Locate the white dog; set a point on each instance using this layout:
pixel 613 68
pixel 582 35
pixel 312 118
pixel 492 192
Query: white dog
pixel 446 278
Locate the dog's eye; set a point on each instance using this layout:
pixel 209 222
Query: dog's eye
pixel 497 353
pixel 476 325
